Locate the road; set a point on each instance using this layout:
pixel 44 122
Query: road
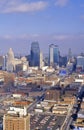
pixel 69 118
pixel 32 106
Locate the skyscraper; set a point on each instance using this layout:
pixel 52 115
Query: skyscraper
pixel 10 55
pixel 35 54
pixel 41 60
pixel 80 62
pixel 10 59
pixel 53 54
pixel 69 54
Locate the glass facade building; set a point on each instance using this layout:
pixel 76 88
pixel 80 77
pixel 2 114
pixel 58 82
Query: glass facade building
pixel 35 54
pixel 80 62
pixel 53 54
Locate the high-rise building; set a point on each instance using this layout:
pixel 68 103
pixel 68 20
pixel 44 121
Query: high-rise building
pixel 16 119
pixel 15 64
pixel 35 54
pixel 1 62
pixel 69 54
pixel 41 60
pixel 80 62
pixel 10 55
pixel 10 59
pixel 53 54
pixel 4 62
pixel 62 61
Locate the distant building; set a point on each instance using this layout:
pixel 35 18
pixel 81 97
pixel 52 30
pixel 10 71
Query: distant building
pixel 53 54
pixel 25 64
pixel 69 54
pixel 80 63
pixel 19 67
pixel 62 61
pixel 10 59
pixel 4 63
pixel 10 55
pixel 14 64
pixel 35 54
pixel 41 60
pixel 1 62
pixel 70 67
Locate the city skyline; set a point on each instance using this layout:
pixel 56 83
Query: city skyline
pixel 57 22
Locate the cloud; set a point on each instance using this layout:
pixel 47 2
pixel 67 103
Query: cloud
pixel 63 37
pixel 6 37
pixel 13 6
pixel 61 3
pixel 68 37
pixel 57 37
pixel 20 37
pixel 60 37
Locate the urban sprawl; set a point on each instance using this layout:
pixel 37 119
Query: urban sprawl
pixel 40 92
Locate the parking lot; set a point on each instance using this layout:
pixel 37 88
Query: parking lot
pixel 46 122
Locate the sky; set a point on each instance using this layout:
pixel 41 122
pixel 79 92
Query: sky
pixel 59 22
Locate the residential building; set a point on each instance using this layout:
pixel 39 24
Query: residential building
pixel 16 119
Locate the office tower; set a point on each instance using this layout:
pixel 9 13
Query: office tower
pixel 69 54
pixel 35 54
pixel 53 54
pixel 80 63
pixel 10 59
pixel 1 62
pixel 41 60
pixel 62 61
pixel 10 55
pixel 13 63
pixel 16 119
pixel 4 63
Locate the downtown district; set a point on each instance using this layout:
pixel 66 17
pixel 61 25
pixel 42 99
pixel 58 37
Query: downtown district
pixel 42 93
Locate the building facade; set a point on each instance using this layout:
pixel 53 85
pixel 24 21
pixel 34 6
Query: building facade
pixel 35 54
pixel 15 122
pixel 15 64
pixel 41 60
pixel 10 60
pixel 16 119
pixel 53 94
pixel 80 62
pixel 53 55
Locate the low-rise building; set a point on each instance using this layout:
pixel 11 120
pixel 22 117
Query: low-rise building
pixel 60 109
pixel 53 94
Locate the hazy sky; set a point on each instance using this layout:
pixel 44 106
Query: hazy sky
pixel 59 22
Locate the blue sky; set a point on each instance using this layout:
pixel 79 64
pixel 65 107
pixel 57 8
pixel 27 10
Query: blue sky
pixel 59 22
